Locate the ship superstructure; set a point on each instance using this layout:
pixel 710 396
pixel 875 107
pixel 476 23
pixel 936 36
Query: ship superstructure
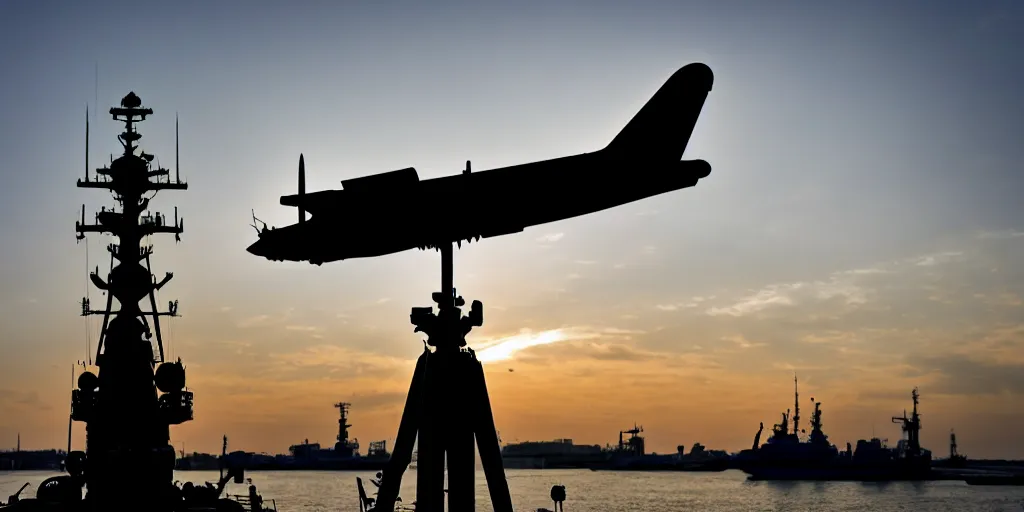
pixel 911 446
pixel 344 447
pixel 633 446
pixel 129 405
pixel 128 408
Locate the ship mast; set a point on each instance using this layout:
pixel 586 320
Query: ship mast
pixel 796 408
pixel 912 427
pixel 128 452
pixel 343 447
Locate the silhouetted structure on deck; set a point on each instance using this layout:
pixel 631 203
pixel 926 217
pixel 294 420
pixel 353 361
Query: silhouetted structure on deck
pixel 448 403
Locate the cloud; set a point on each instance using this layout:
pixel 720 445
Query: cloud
pixel 1000 299
pixel 618 352
pixel 339 360
pixel 238 346
pixel 12 400
pixel 996 344
pixel 847 288
pixel 743 342
pixel 864 271
pixel 508 347
pixel 377 400
pixel 617 331
pixel 831 337
pixel 692 303
pixel 314 332
pixel 550 237
pixel 930 260
pixel 504 348
pixel 253 321
pixel 586 262
pixel 774 295
pixel 965 376
pixel 1000 235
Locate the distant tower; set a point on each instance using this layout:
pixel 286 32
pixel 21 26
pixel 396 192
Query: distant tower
pixel 343 447
pixel 128 454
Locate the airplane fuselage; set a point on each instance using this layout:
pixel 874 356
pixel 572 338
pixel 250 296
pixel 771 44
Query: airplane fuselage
pixel 395 211
pixel 402 216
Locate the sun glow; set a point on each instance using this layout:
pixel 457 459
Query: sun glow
pixel 504 348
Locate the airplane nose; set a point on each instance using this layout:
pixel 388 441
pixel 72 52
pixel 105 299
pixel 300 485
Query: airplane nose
pixel 257 248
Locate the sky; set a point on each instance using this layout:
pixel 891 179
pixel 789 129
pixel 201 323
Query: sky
pixel 861 228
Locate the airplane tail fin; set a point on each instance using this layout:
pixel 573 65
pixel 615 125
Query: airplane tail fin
pixel 662 128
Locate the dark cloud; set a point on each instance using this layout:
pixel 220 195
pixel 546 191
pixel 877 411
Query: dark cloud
pixel 615 352
pixel 378 400
pixel 965 376
pixel 883 395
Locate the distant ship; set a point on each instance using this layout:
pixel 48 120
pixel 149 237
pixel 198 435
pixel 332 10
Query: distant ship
pixel 956 459
pixel 628 455
pixel 34 460
pixel 787 457
pixel 31 460
pixel 557 454
pixel 303 456
pixel 309 456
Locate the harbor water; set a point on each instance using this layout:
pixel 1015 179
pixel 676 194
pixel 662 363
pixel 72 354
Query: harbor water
pixel 601 491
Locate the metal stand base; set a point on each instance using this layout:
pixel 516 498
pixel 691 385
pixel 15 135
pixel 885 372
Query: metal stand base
pixel 447 407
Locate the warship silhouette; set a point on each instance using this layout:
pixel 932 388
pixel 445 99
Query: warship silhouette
pixel 138 394
pixel 343 456
pixel 628 455
pixel 631 455
pixel 785 456
pixel 448 405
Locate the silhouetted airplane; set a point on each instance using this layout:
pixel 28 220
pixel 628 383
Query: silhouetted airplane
pixel 395 211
